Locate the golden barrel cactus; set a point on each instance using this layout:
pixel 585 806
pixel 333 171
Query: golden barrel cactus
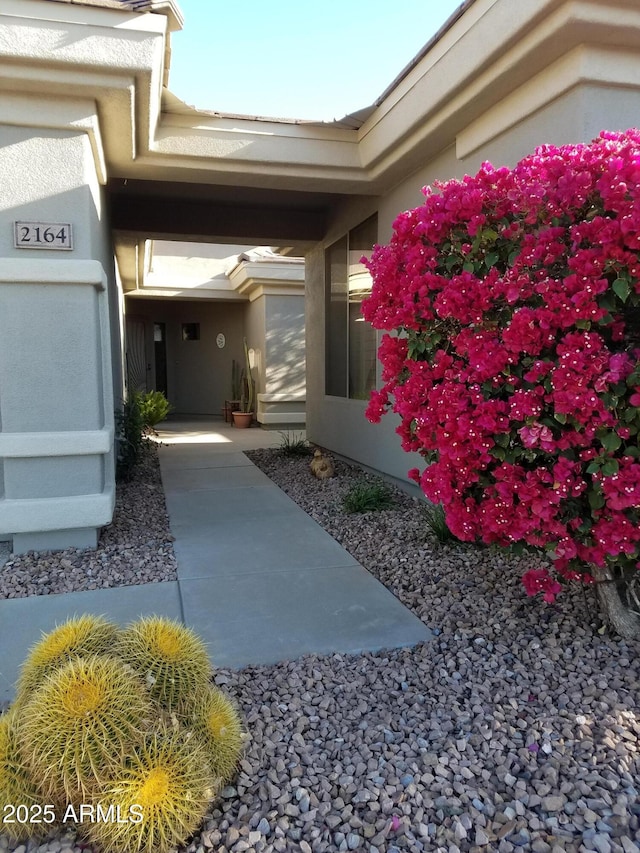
pixel 21 812
pixel 171 659
pixel 216 722
pixel 160 792
pixel 81 722
pixel 77 637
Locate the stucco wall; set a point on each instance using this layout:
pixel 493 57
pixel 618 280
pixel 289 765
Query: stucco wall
pixel 256 340
pixel 198 372
pixel 56 371
pixel 285 344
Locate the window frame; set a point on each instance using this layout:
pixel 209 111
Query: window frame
pixel 339 362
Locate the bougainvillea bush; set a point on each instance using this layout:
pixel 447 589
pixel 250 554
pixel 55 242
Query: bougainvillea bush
pixel 511 304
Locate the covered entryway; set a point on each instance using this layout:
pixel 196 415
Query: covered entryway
pixel 189 312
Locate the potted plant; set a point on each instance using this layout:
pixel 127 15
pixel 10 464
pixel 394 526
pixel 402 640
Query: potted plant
pixel 244 416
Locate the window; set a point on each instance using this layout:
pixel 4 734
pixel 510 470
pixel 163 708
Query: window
pixel 350 367
pixel 191 331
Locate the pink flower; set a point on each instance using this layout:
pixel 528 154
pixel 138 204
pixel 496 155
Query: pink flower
pixel 539 580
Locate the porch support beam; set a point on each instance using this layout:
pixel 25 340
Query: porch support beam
pixel 171 218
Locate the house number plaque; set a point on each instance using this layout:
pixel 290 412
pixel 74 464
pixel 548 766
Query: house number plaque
pixel 42 235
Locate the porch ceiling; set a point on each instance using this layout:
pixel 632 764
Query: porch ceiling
pixel 218 214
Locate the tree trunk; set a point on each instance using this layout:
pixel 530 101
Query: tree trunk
pixel 624 621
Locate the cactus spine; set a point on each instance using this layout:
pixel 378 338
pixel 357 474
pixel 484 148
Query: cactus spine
pixel 17 787
pixel 216 722
pixel 167 782
pixel 83 635
pixel 171 659
pixel 80 722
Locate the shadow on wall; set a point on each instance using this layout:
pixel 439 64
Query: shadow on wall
pixel 285 360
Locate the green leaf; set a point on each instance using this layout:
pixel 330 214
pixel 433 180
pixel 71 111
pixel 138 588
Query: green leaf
pixel 606 320
pixel 611 441
pixel 610 468
pixel 594 466
pixel 491 259
pixel 632 451
pixel 596 499
pixel 621 288
pixel 607 302
pixel 560 417
pixel 469 266
pixel 583 324
pixel 489 234
pixel 633 378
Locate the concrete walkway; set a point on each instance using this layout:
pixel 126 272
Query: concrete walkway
pixel 258 579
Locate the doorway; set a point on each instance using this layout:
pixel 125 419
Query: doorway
pixel 160 355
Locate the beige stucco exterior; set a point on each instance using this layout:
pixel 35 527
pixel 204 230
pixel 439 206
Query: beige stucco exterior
pixel 91 136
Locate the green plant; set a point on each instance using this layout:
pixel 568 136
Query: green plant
pixel 80 722
pixel 129 437
pixel 367 497
pixel 169 657
pixel 166 781
pixel 437 523
pixel 77 637
pixel 154 407
pixel 216 722
pixel 236 380
pixel 17 787
pixel 293 445
pixel 247 396
pixel 91 735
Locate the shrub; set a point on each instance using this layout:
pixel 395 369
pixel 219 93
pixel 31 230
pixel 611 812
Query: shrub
pixel 513 297
pixel 293 445
pixel 367 497
pixel 129 437
pixel 154 408
pixel 436 521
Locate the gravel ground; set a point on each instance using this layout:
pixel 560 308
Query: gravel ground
pixel 515 729
pixel 134 549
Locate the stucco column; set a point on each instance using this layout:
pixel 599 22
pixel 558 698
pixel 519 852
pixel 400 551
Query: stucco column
pixel 56 381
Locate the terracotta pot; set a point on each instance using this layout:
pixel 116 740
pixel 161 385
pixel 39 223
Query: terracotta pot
pixel 242 420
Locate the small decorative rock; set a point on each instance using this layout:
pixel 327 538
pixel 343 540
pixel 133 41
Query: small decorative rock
pixel 526 683
pixel 553 803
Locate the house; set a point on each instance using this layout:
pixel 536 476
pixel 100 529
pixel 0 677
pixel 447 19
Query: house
pixel 99 162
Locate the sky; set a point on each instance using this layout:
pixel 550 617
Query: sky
pixel 296 59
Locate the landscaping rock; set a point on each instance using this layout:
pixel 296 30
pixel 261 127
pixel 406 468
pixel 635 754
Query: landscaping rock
pixel 428 749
